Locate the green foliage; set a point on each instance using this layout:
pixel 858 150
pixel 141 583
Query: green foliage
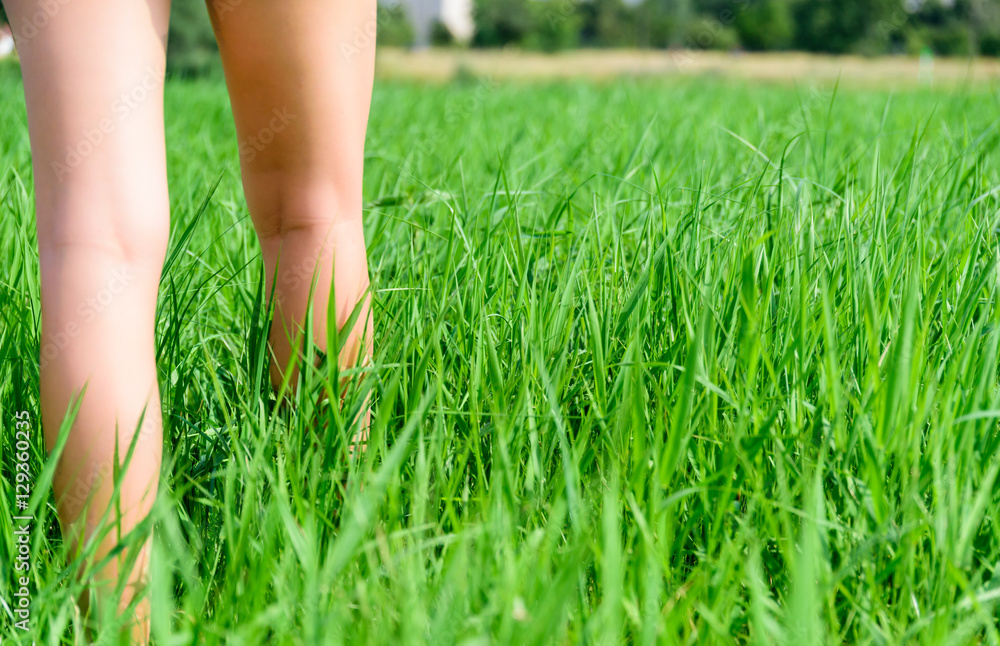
pixel 502 22
pixel 394 27
pixel 952 39
pixel 989 44
pixel 10 70
pixel 607 23
pixel 657 25
pixel 192 49
pixel 766 25
pixel 706 33
pixel 945 29
pixel 984 20
pixel 836 26
pixel 441 36
pixel 557 25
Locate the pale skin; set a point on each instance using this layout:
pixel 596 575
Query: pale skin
pixel 93 81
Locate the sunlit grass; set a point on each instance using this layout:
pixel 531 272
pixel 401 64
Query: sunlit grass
pixel 656 362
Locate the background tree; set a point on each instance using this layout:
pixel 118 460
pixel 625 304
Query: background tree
pixel 944 28
pixel 557 25
pixel 659 23
pixel 766 25
pixel 394 26
pixel 984 17
pixel 191 49
pixel 607 23
pixel 839 26
pixel 870 27
pixel 501 22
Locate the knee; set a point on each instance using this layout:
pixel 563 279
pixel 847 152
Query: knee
pixel 283 203
pixel 127 233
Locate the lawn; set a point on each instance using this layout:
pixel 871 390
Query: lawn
pixel 658 361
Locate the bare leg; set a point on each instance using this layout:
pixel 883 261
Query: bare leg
pixel 93 79
pixel 300 91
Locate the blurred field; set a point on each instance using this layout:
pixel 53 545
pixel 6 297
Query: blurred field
pixel 690 362
pixel 894 71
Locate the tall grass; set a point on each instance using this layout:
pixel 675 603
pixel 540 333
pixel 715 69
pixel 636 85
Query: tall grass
pixel 657 362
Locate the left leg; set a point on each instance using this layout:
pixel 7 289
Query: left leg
pixel 93 81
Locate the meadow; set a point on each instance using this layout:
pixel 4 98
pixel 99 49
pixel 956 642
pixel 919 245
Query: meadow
pixel 684 361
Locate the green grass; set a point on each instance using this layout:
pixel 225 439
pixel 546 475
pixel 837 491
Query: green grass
pixel 657 362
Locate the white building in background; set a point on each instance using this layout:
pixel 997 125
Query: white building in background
pixel 6 42
pixel 456 15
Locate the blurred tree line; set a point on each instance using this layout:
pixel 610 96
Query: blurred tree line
pixel 867 27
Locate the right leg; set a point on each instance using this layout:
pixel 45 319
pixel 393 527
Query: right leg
pixel 300 92
pixel 93 81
